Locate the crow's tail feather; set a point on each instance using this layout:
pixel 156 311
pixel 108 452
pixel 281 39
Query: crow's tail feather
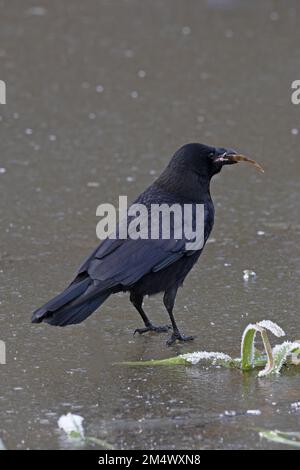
pixel 79 300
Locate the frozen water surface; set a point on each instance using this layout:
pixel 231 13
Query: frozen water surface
pixel 214 71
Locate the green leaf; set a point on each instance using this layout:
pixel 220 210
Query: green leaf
pixel 74 435
pixel 288 438
pixel 187 359
pixel 271 326
pixel 99 442
pixel 247 346
pixel 271 360
pixel 213 357
pixel 248 340
pixel 157 362
pixel 281 352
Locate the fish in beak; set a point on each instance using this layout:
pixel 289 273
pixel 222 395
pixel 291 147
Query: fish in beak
pixel 230 157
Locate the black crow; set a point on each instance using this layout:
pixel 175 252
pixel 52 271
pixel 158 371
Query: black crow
pixel 145 266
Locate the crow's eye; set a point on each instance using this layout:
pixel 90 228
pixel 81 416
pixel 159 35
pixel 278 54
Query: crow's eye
pixel 211 154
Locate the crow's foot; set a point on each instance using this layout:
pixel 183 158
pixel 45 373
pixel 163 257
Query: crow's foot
pixel 177 336
pixel 156 329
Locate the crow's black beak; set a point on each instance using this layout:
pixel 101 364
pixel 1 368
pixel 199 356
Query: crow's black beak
pixel 225 157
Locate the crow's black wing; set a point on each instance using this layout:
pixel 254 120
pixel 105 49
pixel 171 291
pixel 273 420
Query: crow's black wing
pixel 114 263
pixel 126 261
pixel 132 259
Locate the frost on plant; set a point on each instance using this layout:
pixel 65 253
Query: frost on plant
pixel 214 357
pixel 271 326
pixel 281 352
pixel 271 359
pixel 248 341
pixel 287 438
pixel 72 425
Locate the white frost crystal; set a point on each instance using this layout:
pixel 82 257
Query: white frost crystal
pixel 273 327
pixel 281 352
pixel 72 425
pixel 195 357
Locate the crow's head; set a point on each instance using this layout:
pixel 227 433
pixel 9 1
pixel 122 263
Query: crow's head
pixel 205 160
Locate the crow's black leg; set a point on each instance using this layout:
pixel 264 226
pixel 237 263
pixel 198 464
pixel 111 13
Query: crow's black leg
pixel 169 301
pixel 137 301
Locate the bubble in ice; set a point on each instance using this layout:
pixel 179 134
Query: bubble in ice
pixel 247 274
pixel 2 171
pixel 37 11
pixel 93 184
pixel 142 73
pixel 295 131
pixel 229 413
pixel 129 53
pixel 228 33
pixel 99 89
pixel 295 406
pixel 274 16
pixel 35 146
pixel 134 94
pixel 130 179
pixel 260 232
pixel 28 131
pixel 52 137
pixel 92 115
pixel 186 30
pixel 204 76
pixel 253 412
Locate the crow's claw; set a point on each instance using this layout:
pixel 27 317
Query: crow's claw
pixel 176 336
pixel 156 329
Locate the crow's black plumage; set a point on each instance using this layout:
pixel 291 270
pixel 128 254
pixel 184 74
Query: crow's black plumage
pixel 144 266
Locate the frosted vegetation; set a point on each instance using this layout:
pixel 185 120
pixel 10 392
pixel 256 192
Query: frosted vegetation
pixel 268 362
